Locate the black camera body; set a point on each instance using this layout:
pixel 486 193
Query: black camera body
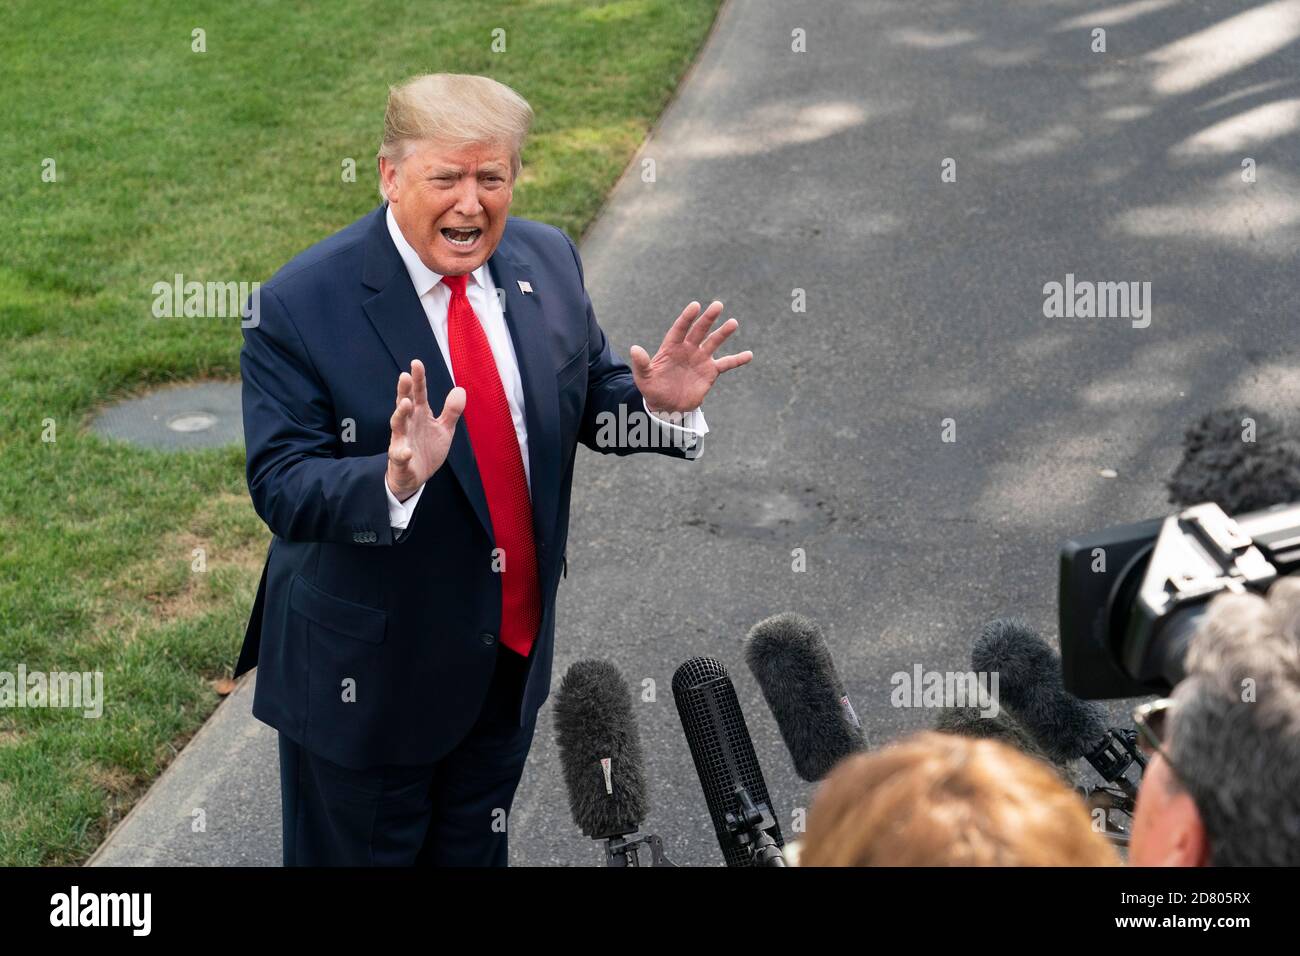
pixel 1132 596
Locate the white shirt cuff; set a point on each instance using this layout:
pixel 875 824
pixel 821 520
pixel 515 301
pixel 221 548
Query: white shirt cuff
pixel 687 427
pixel 399 512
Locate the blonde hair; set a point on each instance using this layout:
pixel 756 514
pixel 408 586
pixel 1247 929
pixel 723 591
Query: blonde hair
pixel 941 800
pixel 455 109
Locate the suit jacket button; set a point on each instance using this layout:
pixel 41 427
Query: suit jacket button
pixel 488 639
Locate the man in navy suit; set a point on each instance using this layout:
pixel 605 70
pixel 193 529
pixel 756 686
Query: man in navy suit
pixel 414 390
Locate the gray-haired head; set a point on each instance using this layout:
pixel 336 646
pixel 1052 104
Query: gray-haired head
pixel 1234 733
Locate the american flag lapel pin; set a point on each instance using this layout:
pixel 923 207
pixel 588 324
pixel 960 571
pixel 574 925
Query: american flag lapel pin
pixel 525 286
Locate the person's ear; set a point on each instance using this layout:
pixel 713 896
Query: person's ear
pixel 388 174
pixel 1199 846
pixel 1191 844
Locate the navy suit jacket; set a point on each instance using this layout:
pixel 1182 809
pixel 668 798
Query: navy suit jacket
pixel 410 618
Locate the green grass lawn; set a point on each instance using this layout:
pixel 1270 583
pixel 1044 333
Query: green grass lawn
pixel 218 165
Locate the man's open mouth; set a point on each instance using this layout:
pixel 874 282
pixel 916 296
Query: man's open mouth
pixel 463 238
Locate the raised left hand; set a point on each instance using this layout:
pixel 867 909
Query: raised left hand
pixel 684 369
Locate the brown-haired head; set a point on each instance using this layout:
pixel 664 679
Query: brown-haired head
pixel 942 800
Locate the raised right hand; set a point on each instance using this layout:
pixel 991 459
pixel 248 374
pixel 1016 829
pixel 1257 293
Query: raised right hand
pixel 419 442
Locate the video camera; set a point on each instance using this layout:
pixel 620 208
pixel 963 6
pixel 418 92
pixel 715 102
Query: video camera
pixel 1132 596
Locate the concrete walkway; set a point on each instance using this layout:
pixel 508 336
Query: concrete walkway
pixel 779 171
pixel 217 804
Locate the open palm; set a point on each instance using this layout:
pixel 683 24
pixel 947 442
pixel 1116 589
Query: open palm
pixel 420 440
pixel 681 373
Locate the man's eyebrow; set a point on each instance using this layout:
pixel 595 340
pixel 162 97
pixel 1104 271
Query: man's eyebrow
pixel 459 171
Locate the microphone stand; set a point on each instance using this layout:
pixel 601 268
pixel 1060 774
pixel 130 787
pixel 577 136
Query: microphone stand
pixel 1112 758
pixel 749 828
pixel 621 852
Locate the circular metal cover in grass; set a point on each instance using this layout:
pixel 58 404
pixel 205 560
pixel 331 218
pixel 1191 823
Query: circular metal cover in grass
pixel 177 417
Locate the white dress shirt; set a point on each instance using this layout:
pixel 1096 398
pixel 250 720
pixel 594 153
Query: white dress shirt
pixel 481 291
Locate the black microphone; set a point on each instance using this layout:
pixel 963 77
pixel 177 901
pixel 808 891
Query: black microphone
pixel 1030 686
pixel 726 764
pixel 600 755
pixel 788 656
pixel 1239 476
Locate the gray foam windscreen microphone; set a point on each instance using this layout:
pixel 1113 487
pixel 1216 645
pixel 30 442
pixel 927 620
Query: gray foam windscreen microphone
pixel 1004 728
pixel 788 656
pixel 1220 464
pixel 1030 686
pixel 600 750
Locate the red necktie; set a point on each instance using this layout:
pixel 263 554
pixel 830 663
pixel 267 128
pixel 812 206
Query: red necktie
pixel 500 467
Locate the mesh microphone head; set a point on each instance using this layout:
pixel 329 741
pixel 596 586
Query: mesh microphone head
pixel 721 748
pixel 593 723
